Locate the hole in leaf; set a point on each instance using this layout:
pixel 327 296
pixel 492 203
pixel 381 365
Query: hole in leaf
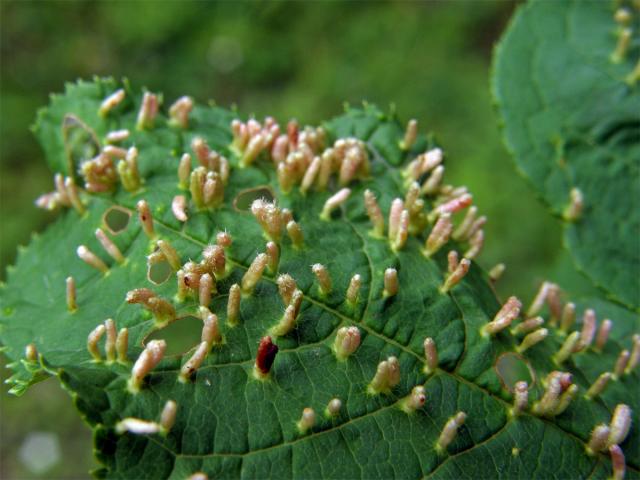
pixel 116 220
pixel 513 368
pixel 243 200
pixel 181 335
pixel 159 272
pixel 80 141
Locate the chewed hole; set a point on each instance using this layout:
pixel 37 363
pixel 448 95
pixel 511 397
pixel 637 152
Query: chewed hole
pixel 80 141
pixel 245 198
pixel 159 272
pixel 513 368
pixel 116 220
pixel 181 335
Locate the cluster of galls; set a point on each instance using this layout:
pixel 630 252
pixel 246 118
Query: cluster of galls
pixel 66 194
pixel 206 182
pixel 559 390
pixel 112 163
pixel 300 158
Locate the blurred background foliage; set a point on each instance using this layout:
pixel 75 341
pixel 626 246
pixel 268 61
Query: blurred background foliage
pixel 429 59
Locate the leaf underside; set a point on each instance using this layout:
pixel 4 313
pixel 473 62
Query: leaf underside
pixel 231 425
pixel 571 121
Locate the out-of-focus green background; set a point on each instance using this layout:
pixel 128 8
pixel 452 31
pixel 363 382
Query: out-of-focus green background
pixel 430 59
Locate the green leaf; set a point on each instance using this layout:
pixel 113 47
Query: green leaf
pixel 230 424
pixel 570 118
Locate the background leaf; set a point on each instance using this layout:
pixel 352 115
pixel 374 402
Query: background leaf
pixel 571 120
